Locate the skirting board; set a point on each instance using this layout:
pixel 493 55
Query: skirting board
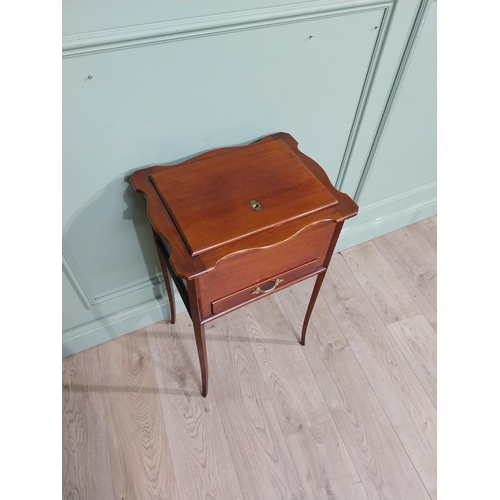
pixel 390 214
pixel 115 325
pixel 373 220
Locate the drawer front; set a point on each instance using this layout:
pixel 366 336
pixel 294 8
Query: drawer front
pixel 263 288
pixel 250 267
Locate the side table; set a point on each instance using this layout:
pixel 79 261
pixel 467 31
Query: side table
pixel 233 225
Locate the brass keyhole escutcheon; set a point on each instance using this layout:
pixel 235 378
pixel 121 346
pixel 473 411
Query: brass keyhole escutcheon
pixel 255 205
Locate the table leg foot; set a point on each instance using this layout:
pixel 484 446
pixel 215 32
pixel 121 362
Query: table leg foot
pixel 199 333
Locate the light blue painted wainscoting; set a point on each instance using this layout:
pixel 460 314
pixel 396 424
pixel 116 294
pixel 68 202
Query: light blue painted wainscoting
pixel 147 83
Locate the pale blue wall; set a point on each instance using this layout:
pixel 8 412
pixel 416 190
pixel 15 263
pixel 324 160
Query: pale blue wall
pixel 399 188
pixel 177 78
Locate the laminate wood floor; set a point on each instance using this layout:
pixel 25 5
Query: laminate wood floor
pixel 351 415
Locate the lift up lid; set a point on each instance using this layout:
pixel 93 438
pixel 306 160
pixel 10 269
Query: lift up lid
pixel 229 197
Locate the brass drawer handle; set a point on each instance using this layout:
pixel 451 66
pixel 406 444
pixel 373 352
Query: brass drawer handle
pixel 259 289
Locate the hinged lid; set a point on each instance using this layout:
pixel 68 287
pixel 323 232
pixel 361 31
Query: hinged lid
pixel 229 197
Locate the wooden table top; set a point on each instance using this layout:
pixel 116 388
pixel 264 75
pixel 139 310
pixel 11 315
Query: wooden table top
pixel 201 207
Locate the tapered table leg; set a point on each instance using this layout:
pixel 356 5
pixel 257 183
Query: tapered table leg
pixel 167 279
pixel 310 307
pixel 170 290
pixel 199 334
pixel 319 280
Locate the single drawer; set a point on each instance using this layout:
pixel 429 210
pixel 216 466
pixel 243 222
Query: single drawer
pixel 264 287
pixel 247 268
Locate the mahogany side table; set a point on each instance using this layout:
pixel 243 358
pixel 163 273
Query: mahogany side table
pixel 236 224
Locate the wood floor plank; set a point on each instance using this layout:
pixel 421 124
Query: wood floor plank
pixel 417 341
pixel 263 462
pixel 434 219
pixel 141 463
pixel 295 395
pixel 377 453
pixel 85 454
pixel 324 465
pixel 424 237
pixel 379 282
pixel 403 398
pixel 203 464
pixel 413 270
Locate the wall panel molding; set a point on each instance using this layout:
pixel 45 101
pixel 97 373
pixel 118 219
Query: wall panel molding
pixel 363 97
pixel 80 44
pixel 400 74
pixel 115 325
pixel 76 278
pixel 84 291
